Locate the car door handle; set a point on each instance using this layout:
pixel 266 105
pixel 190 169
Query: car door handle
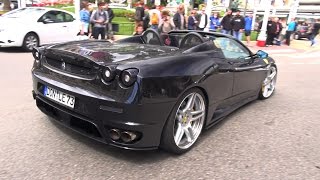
pixel 64 26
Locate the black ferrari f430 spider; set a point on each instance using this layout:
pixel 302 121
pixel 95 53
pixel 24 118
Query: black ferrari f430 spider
pixel 149 91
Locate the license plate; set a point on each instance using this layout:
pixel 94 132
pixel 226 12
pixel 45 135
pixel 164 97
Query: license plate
pixel 59 96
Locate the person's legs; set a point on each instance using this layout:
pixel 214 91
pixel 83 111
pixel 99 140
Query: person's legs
pixel 247 34
pixel 103 33
pixel 239 36
pixel 288 36
pixel 95 33
pixel 110 32
pixel 272 39
pixel 225 31
pixel 236 34
pixel 268 40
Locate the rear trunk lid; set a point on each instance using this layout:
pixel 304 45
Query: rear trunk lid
pixel 104 52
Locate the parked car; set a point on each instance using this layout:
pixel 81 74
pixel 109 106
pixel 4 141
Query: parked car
pixel 13 5
pixel 35 3
pixel 147 91
pixel 302 32
pixel 33 26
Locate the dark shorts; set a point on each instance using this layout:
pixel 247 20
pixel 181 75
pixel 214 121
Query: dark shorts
pixel 247 32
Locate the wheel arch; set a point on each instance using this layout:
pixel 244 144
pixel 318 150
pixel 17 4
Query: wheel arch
pixel 187 89
pixel 33 32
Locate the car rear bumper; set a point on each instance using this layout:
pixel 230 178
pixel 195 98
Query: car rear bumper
pixel 95 117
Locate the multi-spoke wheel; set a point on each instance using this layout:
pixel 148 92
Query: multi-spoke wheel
pixel 269 84
pixel 30 41
pixel 185 123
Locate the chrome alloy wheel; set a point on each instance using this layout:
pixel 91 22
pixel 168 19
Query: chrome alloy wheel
pixel 269 83
pixel 31 42
pixel 189 120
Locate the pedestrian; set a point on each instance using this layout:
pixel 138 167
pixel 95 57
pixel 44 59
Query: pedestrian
pixel 271 32
pixel 259 26
pixel 99 18
pixel 237 24
pixel 278 31
pixel 247 28
pixel 139 14
pixel 315 32
pixel 109 24
pixel 290 29
pixel 214 22
pixel 155 17
pixel 167 24
pixel 146 19
pixel 226 23
pixel 192 21
pixel 203 19
pixel 84 18
pixel 139 31
pixel 178 18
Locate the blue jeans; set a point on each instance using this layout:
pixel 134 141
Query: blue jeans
pixel 313 39
pixel 226 31
pixel 237 35
pixel 155 27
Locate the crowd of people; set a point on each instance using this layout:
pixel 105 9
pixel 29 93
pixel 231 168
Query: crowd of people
pixel 279 32
pixel 98 23
pixel 197 20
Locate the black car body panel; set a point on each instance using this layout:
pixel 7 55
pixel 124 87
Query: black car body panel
pixel 164 73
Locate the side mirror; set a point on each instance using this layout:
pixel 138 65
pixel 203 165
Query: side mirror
pixel 262 54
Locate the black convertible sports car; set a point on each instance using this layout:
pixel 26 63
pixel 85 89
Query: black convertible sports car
pixel 149 91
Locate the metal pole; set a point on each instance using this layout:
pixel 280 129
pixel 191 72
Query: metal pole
pixel 245 8
pixel 208 12
pixel 293 10
pixel 263 35
pixel 77 9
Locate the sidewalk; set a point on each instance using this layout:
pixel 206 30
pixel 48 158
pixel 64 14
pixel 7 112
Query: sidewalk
pixel 301 45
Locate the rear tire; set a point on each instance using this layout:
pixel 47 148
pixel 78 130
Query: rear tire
pixel 30 41
pixel 296 36
pixel 185 122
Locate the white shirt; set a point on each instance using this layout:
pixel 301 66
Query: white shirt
pixel 202 21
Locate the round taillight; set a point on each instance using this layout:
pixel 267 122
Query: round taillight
pixel 109 74
pixel 129 77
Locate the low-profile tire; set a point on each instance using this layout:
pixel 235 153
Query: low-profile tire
pixel 269 84
pixel 30 41
pixel 185 122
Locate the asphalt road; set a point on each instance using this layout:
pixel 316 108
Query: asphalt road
pixel 278 138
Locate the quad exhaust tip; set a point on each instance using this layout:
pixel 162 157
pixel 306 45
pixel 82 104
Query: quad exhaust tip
pixel 115 134
pixel 125 136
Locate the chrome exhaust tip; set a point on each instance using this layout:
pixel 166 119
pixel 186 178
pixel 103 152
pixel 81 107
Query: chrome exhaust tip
pixel 127 136
pixel 114 134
